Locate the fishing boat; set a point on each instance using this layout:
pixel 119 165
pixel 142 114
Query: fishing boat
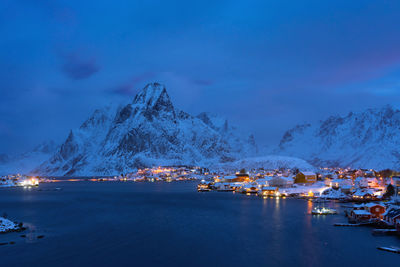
pixel 323 211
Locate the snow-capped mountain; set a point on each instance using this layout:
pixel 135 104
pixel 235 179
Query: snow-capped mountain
pixel 266 162
pixel 369 139
pixel 25 162
pixel 149 131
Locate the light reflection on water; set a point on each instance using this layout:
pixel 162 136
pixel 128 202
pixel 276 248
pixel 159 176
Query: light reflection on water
pixel 171 224
pixel 31 233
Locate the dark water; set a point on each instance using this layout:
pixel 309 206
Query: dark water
pixel 161 224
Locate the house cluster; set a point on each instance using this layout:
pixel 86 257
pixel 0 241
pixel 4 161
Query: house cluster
pixel 167 173
pixel 361 185
pixel 274 183
pixel 382 214
pixel 342 184
pixel 18 180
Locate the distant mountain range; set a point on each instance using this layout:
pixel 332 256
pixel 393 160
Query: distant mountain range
pixel 27 161
pixel 368 139
pixel 266 162
pixel 149 131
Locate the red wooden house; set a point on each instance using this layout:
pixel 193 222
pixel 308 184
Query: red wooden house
pixel 377 210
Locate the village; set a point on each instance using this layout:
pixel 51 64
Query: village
pixel 19 180
pixel 155 174
pixel 368 197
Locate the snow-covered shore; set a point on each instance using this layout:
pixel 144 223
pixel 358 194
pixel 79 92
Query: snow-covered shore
pixel 7 184
pixel 8 226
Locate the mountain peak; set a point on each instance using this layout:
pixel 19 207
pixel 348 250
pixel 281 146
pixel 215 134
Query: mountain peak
pixel 154 100
pixel 146 132
pixel 150 94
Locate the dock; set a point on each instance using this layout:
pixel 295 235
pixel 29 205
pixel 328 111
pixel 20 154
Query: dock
pixel 352 224
pixel 390 249
pixel 346 224
pixel 384 231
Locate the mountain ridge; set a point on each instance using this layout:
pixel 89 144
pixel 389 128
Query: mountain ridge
pixel 366 139
pixel 147 131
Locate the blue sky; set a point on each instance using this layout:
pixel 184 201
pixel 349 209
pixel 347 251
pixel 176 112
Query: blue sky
pixel 265 65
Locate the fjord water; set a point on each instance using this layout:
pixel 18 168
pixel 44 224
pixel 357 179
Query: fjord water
pixel 161 224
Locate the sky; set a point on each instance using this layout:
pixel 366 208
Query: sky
pixel 265 65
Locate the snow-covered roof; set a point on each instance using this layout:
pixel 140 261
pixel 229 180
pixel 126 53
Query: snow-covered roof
pixel 250 185
pixel 262 181
pixel 392 213
pixel 346 186
pixel 230 177
pixel 359 192
pixel 361 212
pixel 308 173
pixel 269 188
pixel 369 205
pixel 289 179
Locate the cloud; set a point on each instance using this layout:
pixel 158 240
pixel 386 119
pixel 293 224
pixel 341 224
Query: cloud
pixel 77 67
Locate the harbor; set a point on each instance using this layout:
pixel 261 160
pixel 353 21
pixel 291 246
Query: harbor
pixel 316 201
pixel 164 223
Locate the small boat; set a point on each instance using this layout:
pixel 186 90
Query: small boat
pixel 323 211
pixel 354 224
pixel 249 189
pixel 225 187
pixel 203 187
pixel 390 249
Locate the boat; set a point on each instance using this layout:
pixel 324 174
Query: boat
pixel 249 189
pixel 323 211
pixel 225 187
pixel 390 249
pixel 203 187
pixel 354 224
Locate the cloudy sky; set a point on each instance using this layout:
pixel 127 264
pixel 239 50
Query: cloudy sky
pixel 265 65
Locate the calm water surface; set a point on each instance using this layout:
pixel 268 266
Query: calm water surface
pixel 137 224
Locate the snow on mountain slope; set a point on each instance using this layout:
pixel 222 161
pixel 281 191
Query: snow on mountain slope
pixel 149 131
pixel 27 161
pixel 266 162
pixel 369 139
